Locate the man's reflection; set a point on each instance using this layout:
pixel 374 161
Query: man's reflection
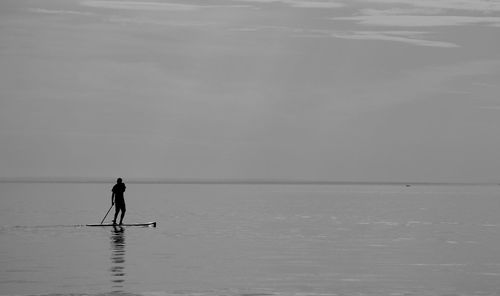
pixel 118 257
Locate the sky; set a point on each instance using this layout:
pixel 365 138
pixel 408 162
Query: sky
pixel 318 90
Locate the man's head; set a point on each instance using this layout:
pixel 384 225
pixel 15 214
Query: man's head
pixel 119 180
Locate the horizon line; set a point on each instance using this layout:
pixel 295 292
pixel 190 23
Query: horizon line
pixel 225 181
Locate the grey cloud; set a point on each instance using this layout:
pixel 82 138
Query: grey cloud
pixel 420 20
pixel 300 3
pixel 402 11
pixel 408 37
pixel 133 5
pixel 158 22
pixel 416 14
pixel 68 12
pixel 476 5
pixel 395 36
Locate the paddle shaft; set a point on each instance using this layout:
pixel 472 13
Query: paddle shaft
pixel 107 214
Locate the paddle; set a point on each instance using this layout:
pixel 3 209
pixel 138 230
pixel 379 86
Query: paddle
pixel 107 214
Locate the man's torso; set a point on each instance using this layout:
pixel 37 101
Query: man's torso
pixel 118 190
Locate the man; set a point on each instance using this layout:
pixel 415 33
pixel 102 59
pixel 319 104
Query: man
pixel 117 199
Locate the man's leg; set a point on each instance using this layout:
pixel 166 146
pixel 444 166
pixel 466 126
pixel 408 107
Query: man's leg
pixel 116 214
pixel 123 214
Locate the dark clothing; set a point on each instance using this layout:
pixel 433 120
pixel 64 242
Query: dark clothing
pixel 118 190
pixel 120 205
pixel 118 200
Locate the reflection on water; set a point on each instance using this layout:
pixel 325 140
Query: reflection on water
pixel 117 258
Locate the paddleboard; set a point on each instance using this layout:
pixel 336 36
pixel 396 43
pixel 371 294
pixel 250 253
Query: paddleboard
pixel 148 224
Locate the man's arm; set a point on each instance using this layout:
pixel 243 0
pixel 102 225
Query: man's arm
pixel 112 198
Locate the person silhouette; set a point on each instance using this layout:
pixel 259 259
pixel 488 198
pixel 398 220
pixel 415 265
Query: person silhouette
pixel 117 199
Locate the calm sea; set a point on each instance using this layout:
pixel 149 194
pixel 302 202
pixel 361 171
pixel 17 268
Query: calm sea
pixel 250 240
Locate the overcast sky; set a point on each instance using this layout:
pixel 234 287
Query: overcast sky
pixel 346 90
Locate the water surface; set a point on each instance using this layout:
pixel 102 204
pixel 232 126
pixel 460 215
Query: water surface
pixel 251 240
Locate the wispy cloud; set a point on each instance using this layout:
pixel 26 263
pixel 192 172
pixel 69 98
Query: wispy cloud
pixel 416 17
pixel 283 29
pixel 67 12
pixel 158 22
pixel 394 36
pixel 301 3
pixel 420 20
pixel 134 20
pixel 402 11
pixel 314 4
pixel 134 5
pixel 370 14
pixel 485 6
pixel 418 14
pixel 408 37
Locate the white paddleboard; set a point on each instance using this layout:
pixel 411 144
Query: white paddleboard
pixel 148 224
